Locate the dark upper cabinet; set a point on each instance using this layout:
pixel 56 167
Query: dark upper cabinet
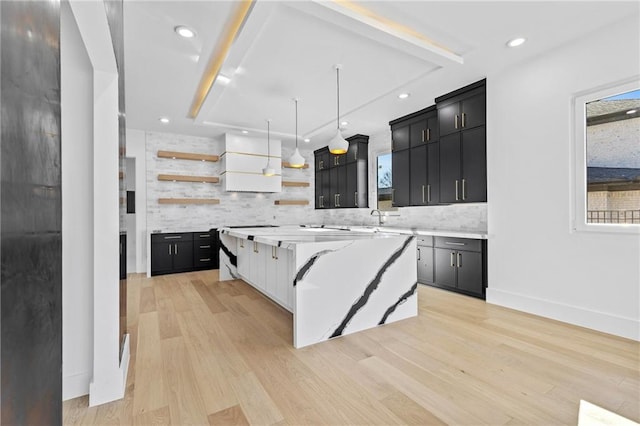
pixel 463 162
pixel 418 176
pixel 342 182
pixel 401 178
pixel 462 109
pixel 399 138
pixel 415 174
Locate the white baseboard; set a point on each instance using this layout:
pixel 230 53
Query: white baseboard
pixel 576 315
pixel 75 385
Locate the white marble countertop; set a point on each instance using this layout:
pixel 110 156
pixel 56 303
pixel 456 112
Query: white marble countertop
pixel 291 234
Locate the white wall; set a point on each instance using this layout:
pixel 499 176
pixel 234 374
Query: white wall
pixel 77 209
pixel 536 263
pixel 136 149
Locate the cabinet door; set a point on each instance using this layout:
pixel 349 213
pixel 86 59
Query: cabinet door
pixel 352 153
pixel 161 257
pixel 400 178
pixel 473 111
pixel 432 134
pixel 418 133
pixel 243 249
pixel 447 121
pixel 433 173
pixel 338 186
pixel 271 270
pixel 445 267
pixel 183 255
pixel 425 264
pixel 318 189
pixel 450 185
pixel 349 198
pixel 399 138
pixel 418 172
pixel 326 189
pixel 469 266
pixel 474 165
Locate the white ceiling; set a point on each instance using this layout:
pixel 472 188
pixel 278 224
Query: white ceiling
pixel 288 49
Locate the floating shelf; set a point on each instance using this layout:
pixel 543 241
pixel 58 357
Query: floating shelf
pixel 183 178
pixel 188 201
pixel 288 166
pixel 294 183
pixel 291 202
pixel 188 156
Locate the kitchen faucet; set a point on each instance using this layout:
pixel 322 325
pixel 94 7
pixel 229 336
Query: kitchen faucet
pixel 381 217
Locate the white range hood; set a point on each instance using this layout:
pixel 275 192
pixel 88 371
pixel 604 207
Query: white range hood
pixel 243 160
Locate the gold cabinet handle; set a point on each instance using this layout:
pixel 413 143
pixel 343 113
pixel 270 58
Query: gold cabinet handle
pixel 321 164
pixel 169 249
pixel 424 135
pixel 452 264
pixel 338 203
pixel 463 115
pixel 456 121
pixel 428 134
pixel 457 192
pixel 459 260
pixel 176 247
pixel 429 193
pixel 464 191
pixel 419 253
pixel 241 243
pixel 423 194
pixel 355 198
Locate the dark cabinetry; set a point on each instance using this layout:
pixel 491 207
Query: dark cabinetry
pixel 425 260
pixel 463 169
pixel 415 159
pixel 460 265
pixel 342 180
pixel 183 252
pixel 205 249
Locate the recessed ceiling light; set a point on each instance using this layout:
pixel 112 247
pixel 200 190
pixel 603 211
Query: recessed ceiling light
pixel 185 32
pixel 307 140
pixel 164 120
pixel 344 123
pixel 223 79
pixel 403 95
pixel 632 111
pixel 516 42
pixel 245 132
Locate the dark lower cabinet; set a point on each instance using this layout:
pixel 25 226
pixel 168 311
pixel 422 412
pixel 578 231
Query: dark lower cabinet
pixel 425 260
pixel 171 253
pixel 184 252
pixel 459 264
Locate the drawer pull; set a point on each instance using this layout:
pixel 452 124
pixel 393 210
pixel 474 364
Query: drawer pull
pixel 205 260
pixel 459 260
pixel 452 264
pixel 205 236
pixel 205 246
pixel 173 237
pixel 455 244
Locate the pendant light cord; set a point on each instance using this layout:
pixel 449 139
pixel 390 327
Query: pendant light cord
pixel 296 124
pixel 338 97
pixel 268 142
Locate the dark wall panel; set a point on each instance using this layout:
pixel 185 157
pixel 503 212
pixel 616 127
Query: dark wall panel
pixel 30 214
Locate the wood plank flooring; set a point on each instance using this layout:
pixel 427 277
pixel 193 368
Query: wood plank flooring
pixel 210 352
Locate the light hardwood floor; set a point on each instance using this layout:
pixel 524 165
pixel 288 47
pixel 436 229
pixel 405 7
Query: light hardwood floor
pixel 210 352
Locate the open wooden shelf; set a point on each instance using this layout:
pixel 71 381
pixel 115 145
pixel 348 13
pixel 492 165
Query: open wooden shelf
pixel 286 164
pixel 184 178
pixel 294 183
pixel 291 202
pixel 188 201
pixel 188 156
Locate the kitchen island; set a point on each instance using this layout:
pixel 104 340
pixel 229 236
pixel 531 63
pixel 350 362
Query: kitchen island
pixel 334 281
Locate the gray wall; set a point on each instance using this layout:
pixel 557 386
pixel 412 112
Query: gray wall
pixel 30 214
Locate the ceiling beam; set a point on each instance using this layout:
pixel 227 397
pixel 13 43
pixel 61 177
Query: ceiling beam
pixel 365 16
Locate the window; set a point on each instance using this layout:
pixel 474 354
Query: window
pixel 607 162
pixel 384 181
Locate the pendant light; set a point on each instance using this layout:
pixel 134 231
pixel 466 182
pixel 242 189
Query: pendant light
pixel 296 160
pixel 268 170
pixel 338 145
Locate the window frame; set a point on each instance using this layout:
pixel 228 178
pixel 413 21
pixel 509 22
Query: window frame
pixel 579 158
